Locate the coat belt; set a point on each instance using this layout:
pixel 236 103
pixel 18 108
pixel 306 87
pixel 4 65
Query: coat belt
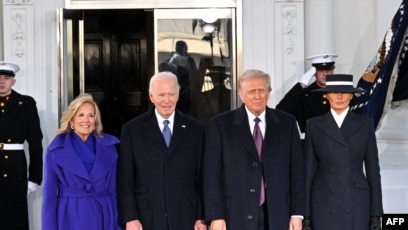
pixel 4 146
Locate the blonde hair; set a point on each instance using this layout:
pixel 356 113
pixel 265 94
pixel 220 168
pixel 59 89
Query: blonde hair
pixel 73 107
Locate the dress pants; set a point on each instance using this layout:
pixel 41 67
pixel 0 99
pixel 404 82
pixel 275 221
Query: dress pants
pixel 263 217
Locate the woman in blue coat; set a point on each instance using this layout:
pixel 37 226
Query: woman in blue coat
pixel 80 172
pixel 343 184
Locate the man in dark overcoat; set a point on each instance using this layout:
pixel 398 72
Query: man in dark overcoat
pixel 300 101
pixel 249 186
pixel 159 181
pixel 19 123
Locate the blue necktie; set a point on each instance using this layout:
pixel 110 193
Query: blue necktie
pixel 258 142
pixel 166 132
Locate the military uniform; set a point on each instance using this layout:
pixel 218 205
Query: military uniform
pixel 19 122
pixel 304 104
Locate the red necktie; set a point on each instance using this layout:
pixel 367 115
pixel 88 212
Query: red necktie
pixel 258 142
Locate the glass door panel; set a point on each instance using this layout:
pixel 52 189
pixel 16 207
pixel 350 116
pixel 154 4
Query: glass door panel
pixel 199 46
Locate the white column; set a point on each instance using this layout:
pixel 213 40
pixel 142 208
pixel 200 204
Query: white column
pixel 319 27
pixel 289 46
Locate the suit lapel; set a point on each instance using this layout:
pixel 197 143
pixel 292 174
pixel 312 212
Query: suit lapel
pixel 350 124
pixel 70 161
pixel 243 133
pixel 153 130
pixel 180 128
pixel 329 126
pixel 273 127
pixel 103 160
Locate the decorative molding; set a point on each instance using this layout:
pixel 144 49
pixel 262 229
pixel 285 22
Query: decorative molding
pixel 289 28
pixel 18 32
pixel 17 2
pixel 288 1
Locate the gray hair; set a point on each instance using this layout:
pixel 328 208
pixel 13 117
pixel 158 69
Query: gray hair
pixel 161 76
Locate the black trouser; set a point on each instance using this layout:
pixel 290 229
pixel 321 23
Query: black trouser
pixel 263 217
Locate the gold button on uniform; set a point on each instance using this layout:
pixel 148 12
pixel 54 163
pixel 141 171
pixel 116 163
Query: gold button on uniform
pixel 4 175
pixel 6 157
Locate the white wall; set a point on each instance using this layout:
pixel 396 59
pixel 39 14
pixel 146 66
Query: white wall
pixel 275 39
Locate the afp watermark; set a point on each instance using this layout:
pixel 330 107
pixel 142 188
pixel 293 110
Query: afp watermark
pixel 395 221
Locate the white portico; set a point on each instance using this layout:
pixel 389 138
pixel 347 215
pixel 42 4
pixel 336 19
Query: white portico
pixel 272 35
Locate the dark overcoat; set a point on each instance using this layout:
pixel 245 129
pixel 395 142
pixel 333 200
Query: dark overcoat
pixel 19 123
pixel 339 194
pixel 232 170
pixel 304 104
pixel 158 185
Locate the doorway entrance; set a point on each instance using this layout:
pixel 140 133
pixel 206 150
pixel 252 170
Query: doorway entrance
pixel 112 53
pixel 117 47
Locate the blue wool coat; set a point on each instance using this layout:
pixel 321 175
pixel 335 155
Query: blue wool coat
pixel 74 199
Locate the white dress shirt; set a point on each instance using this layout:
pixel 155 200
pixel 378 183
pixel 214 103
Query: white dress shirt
pixel 160 120
pixel 339 118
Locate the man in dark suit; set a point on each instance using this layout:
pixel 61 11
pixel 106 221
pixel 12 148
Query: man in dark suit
pixel 300 101
pixel 19 122
pixel 248 186
pixel 159 175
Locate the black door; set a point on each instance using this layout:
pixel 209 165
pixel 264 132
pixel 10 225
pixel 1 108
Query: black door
pixel 118 62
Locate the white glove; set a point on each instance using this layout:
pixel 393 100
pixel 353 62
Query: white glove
pixel 305 79
pixel 31 187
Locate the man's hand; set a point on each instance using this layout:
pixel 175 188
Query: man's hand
pixel 295 223
pixel 305 79
pixel 218 225
pixel 200 225
pixel 134 225
pixel 31 187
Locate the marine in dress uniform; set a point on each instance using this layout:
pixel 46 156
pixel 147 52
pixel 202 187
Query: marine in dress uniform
pixel 19 122
pixel 300 101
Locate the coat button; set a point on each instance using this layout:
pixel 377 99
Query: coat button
pixel 254 164
pixel 5 157
pixel 252 190
pixel 332 191
pixel 250 217
pixel 5 175
pixel 332 211
pixel 331 170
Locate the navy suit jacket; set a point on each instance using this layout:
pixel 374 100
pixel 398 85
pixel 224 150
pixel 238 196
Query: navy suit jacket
pixel 232 170
pixel 158 185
